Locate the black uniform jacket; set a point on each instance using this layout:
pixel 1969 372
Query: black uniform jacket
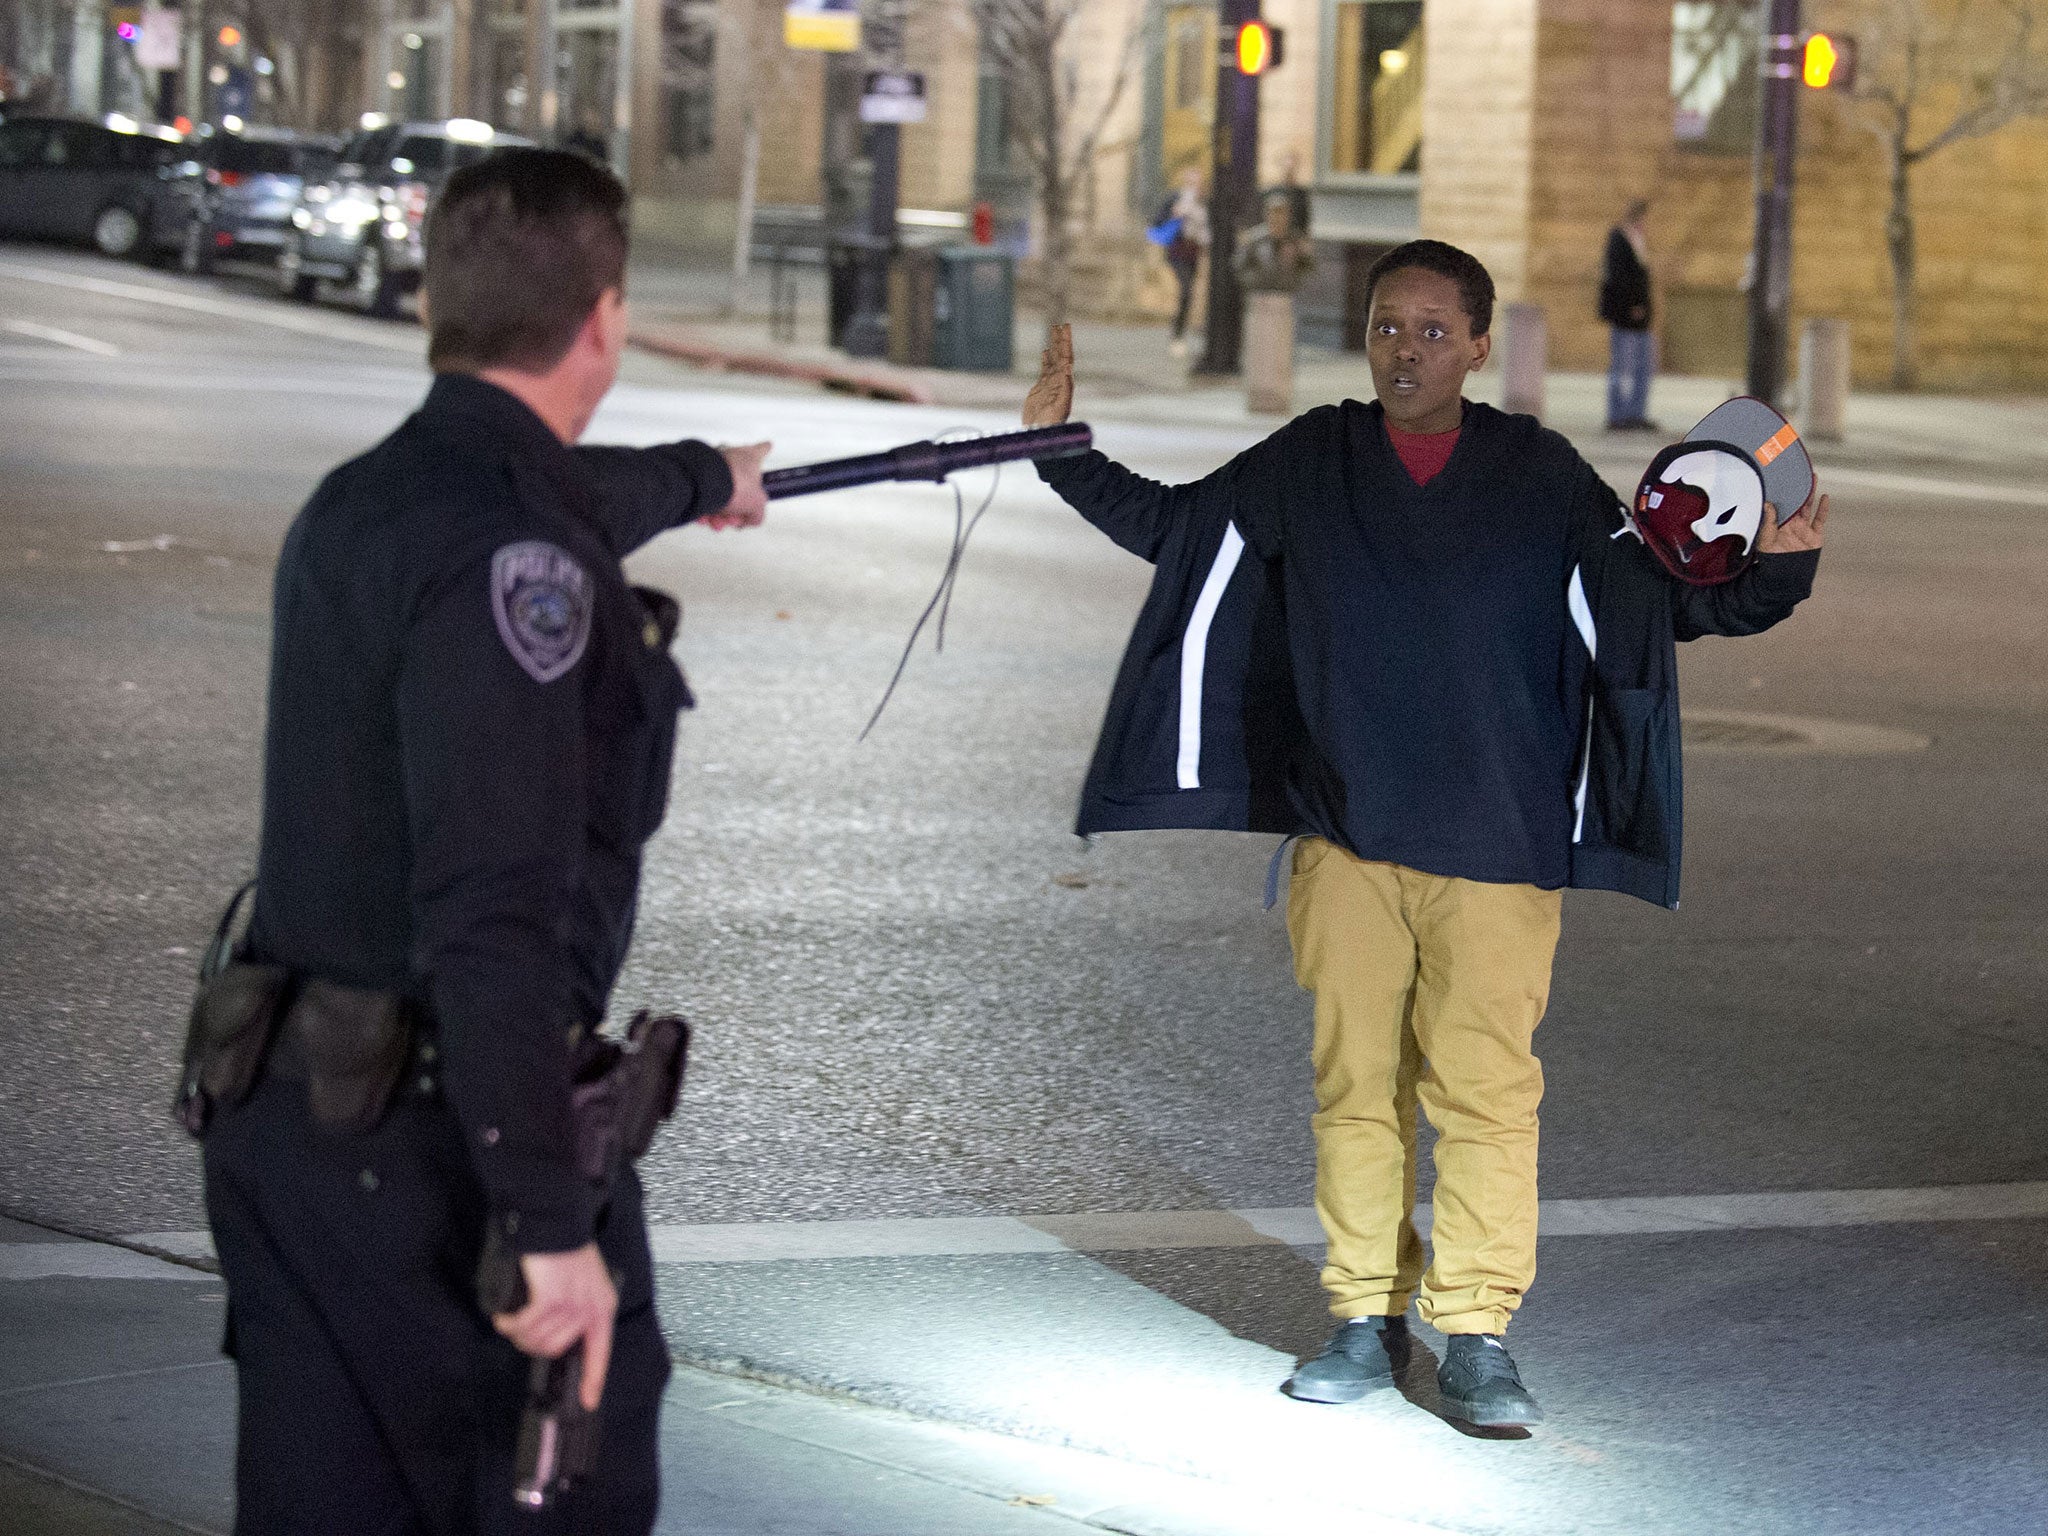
pixel 1219 719
pixel 471 722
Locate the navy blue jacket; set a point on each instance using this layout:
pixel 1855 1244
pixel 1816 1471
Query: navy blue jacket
pixel 471 722
pixel 1221 714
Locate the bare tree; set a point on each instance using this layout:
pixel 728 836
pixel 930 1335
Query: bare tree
pixel 1973 66
pixel 766 72
pixel 1030 44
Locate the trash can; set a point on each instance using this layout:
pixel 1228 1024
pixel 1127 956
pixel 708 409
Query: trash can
pixel 974 301
pixel 842 287
pixel 913 302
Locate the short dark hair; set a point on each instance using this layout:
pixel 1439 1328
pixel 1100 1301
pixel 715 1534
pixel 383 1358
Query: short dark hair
pixel 520 247
pixel 1475 283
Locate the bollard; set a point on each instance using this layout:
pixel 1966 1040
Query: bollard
pixel 1823 379
pixel 1524 355
pixel 1269 353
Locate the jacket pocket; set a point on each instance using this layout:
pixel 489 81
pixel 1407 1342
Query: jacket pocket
pixel 1635 733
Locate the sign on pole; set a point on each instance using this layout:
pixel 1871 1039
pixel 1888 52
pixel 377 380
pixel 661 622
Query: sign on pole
pixel 156 45
pixel 823 26
pixel 892 96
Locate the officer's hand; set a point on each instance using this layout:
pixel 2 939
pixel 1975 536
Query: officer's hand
pixel 570 1299
pixel 749 502
pixel 1052 397
pixel 1802 530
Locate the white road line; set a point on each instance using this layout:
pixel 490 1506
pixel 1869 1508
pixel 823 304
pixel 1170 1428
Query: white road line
pixel 250 313
pixel 86 1261
pixel 410 386
pixel 62 338
pixel 753 1242
pixel 1927 485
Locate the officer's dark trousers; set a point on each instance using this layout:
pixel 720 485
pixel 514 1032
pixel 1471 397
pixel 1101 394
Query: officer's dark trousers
pixel 375 1397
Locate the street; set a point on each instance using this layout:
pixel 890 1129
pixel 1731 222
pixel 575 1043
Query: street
pixel 1009 1131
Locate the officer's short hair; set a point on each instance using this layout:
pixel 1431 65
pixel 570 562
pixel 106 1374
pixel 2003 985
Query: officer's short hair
pixel 520 247
pixel 1475 283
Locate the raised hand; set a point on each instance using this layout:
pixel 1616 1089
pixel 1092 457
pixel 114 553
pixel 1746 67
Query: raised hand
pixel 1802 530
pixel 1052 398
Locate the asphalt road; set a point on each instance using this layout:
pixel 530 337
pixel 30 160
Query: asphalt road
pixel 922 998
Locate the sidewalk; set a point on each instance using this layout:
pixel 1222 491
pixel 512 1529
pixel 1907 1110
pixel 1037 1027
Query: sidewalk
pixel 117 1419
pixel 1128 373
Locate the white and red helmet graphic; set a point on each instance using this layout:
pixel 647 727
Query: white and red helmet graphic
pixel 1701 505
pixel 1699 508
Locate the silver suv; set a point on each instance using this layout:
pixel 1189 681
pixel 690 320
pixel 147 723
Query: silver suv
pixel 360 227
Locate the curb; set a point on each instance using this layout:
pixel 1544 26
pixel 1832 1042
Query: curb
pixel 873 383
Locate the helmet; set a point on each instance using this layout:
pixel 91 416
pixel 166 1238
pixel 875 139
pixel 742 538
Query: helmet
pixel 1698 510
pixel 1701 504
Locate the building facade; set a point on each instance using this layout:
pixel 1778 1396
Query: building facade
pixel 1516 128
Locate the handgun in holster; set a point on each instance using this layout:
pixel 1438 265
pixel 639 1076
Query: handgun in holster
pixel 620 1095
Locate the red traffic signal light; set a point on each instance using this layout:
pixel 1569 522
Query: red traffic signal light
pixel 1258 48
pixel 1829 62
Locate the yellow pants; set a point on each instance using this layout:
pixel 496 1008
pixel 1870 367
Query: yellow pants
pixel 1427 988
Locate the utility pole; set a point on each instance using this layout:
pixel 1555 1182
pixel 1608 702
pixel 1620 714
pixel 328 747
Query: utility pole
pixel 867 331
pixel 1770 262
pixel 1234 190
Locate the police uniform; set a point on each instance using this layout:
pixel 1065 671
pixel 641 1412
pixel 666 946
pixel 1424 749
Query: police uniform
pixel 471 722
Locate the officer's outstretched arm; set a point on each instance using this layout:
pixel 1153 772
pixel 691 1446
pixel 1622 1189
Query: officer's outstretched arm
pixel 645 491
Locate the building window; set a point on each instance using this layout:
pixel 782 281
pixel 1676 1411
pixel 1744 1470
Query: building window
pixel 689 38
pixel 1716 48
pixel 1376 118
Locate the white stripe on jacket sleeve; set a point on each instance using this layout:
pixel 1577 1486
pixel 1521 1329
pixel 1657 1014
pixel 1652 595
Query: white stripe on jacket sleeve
pixel 1194 655
pixel 1582 619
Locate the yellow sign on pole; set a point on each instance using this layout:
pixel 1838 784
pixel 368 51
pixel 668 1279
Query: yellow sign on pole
pixel 823 26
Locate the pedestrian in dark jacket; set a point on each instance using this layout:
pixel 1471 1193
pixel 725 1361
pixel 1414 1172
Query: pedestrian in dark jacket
pixel 1418 635
pixel 1626 306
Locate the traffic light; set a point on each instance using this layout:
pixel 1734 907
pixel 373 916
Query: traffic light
pixel 1829 62
pixel 1258 48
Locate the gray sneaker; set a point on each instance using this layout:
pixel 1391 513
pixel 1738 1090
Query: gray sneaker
pixel 1362 1356
pixel 1480 1384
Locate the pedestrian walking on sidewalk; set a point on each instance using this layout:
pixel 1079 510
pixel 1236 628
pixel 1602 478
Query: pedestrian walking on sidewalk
pixel 1182 229
pixel 471 717
pixel 1630 312
pixel 1415 635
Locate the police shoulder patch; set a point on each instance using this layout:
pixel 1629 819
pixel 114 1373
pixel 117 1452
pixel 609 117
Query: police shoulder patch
pixel 541 598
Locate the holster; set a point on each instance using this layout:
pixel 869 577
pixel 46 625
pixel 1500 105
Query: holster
pixel 349 1045
pixel 620 1094
pixel 233 1019
pixel 234 1015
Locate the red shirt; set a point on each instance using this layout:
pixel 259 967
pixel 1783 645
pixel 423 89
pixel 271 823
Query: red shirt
pixel 1423 454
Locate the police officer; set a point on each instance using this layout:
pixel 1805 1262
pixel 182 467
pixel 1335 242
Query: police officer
pixel 471 720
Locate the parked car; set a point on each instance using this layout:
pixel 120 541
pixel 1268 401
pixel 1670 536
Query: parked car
pixel 231 195
pixel 362 225
pixel 63 179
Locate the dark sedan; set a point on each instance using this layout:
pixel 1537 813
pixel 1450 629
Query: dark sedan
pixel 62 179
pixel 231 195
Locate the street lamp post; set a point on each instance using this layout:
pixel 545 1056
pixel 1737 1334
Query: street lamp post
pixel 867 330
pixel 1770 270
pixel 1234 192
